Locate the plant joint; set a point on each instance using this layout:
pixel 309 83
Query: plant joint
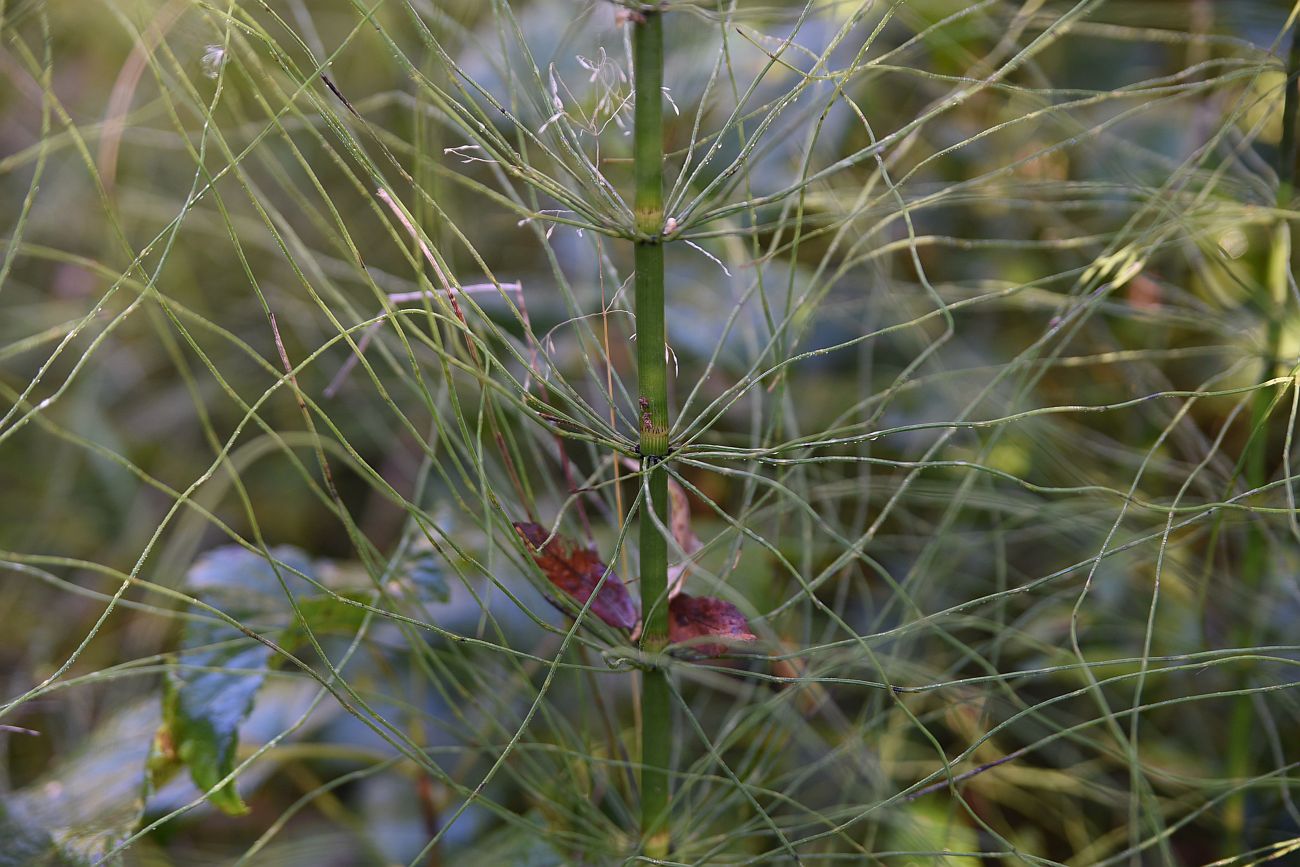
pixel 644 658
pixel 649 226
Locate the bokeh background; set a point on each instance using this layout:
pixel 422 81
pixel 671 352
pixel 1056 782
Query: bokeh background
pixel 983 353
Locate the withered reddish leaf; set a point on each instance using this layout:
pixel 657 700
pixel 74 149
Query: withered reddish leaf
pixel 577 570
pixel 679 519
pixel 691 617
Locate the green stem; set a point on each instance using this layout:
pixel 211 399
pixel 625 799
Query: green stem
pixel 652 387
pixel 1286 152
pixel 1254 565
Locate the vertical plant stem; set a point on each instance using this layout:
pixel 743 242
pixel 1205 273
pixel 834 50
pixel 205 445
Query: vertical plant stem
pixel 1254 566
pixel 652 387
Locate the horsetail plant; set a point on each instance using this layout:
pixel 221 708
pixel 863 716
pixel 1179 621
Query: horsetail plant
pixel 652 383
pixel 695 432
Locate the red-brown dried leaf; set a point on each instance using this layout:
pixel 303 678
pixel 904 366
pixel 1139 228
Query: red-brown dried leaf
pixel 692 617
pixel 577 571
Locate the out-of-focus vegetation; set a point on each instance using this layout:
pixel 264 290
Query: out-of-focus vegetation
pixel 984 338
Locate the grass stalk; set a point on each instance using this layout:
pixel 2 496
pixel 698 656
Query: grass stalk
pixel 652 388
pixel 1256 555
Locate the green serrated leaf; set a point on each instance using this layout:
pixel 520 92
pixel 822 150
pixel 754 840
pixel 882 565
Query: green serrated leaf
pixel 220 669
pixel 326 615
pixel 238 580
pixel 212 688
pixel 207 708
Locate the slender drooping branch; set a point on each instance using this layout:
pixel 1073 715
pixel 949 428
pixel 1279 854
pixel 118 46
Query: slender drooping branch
pixel 652 388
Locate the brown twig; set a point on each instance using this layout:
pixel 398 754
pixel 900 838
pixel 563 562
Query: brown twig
pixel 966 775
pixel 446 284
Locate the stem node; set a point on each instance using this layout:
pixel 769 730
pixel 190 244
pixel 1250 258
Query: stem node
pixel 652 378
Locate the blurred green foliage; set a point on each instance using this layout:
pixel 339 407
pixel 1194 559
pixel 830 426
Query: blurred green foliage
pixel 984 369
